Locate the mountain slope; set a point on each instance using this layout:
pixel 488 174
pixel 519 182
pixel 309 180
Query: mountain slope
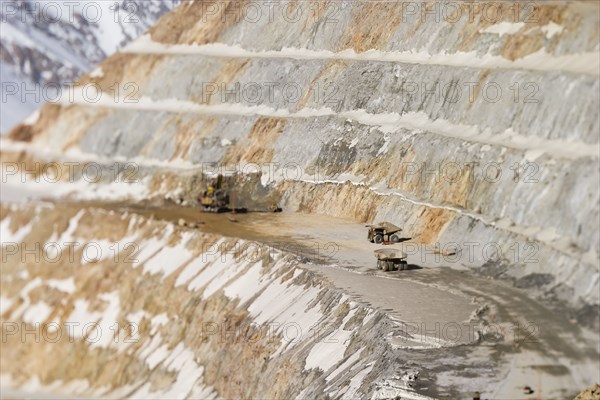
pixel 54 43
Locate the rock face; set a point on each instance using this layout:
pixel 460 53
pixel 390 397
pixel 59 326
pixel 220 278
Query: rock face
pixel 53 43
pixel 463 140
pixel 591 393
pixel 474 127
pixel 187 308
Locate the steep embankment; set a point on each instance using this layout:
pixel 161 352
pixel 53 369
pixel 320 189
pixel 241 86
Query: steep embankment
pixel 118 305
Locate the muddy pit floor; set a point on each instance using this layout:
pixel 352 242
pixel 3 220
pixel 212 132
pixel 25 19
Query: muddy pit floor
pixel 430 300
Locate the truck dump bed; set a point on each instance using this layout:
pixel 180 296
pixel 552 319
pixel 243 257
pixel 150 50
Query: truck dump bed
pixel 389 254
pixel 387 227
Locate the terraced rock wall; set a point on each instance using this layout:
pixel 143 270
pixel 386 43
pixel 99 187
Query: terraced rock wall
pixel 476 124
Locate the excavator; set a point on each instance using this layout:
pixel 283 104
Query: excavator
pixel 220 198
pixel 215 198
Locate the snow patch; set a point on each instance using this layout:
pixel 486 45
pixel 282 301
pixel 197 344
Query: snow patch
pixel 32 118
pixel 552 29
pixel 37 313
pixel 345 365
pixel 330 350
pixel 7 236
pixel 504 28
pixel 97 73
pixel 24 295
pixel 248 285
pixel 191 270
pixel 5 304
pixel 64 285
pixel 158 321
pixel 168 259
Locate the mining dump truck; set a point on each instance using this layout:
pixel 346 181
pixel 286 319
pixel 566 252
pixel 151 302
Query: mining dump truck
pixel 215 198
pixel 384 231
pixel 391 260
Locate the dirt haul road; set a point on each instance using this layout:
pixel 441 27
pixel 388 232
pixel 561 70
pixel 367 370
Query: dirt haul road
pixel 440 305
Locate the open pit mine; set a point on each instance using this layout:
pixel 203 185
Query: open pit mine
pixel 311 200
